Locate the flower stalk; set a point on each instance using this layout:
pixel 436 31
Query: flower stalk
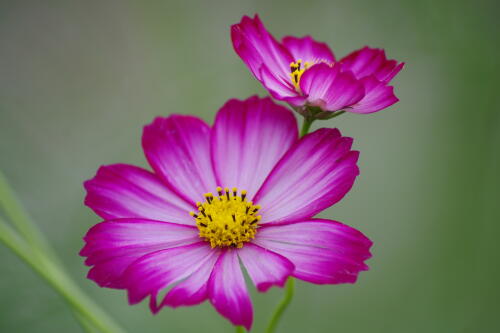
pixel 16 214
pixel 306 126
pixel 280 309
pixel 30 246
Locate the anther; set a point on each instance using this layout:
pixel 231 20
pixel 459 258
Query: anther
pixel 209 197
pixel 224 220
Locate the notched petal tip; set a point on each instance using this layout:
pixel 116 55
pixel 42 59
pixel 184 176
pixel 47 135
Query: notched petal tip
pixel 323 251
pixel 378 96
pixel 371 61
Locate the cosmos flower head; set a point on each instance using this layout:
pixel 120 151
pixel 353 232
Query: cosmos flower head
pixel 306 73
pixel 240 194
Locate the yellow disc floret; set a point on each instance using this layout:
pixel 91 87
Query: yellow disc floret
pixel 296 71
pixel 227 219
pixel 298 68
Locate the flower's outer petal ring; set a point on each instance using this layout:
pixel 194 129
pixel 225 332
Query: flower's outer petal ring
pixel 307 49
pixel 265 267
pixel 228 292
pixel 126 191
pixel 112 246
pixel 323 251
pixel 248 139
pixel 313 175
pixel 178 149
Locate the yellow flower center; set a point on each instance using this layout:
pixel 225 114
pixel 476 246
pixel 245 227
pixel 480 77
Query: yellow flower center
pixel 296 71
pixel 227 219
pixel 298 68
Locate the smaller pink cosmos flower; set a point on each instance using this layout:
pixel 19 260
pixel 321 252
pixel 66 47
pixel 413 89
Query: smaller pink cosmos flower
pixel 304 72
pixel 242 193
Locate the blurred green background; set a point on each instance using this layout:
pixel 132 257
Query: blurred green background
pixel 79 79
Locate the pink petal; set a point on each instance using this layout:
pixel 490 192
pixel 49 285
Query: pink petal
pixel 121 190
pixel 281 90
pixel 155 271
pixel 194 289
pixel 378 96
pixel 323 251
pixel 368 61
pixel 313 175
pixel 307 49
pixel 265 268
pixel 112 246
pixel 177 147
pixel 257 47
pixel 228 292
pixel 248 139
pixel 329 88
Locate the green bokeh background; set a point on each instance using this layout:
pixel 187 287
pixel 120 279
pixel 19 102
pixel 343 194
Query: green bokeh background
pixel 79 79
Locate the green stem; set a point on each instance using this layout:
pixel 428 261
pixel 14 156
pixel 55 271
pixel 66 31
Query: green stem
pixel 32 235
pixel 306 126
pixel 84 323
pixel 240 329
pixel 35 244
pixel 282 306
pixel 20 219
pixel 57 278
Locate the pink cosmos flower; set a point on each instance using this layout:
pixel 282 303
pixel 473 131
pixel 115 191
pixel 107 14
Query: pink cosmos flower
pixel 242 193
pixel 304 72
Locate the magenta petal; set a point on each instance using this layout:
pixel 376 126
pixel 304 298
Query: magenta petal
pixel 155 271
pixel 378 96
pixel 323 251
pixel 264 267
pixel 112 246
pixel 194 289
pixel 329 88
pixel 281 90
pixel 248 139
pixel 368 61
pixel 313 175
pixel 177 148
pixel 228 292
pixel 307 49
pixel 257 47
pixel 121 190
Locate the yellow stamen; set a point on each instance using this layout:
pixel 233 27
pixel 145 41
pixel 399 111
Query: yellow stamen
pixel 296 71
pixel 227 219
